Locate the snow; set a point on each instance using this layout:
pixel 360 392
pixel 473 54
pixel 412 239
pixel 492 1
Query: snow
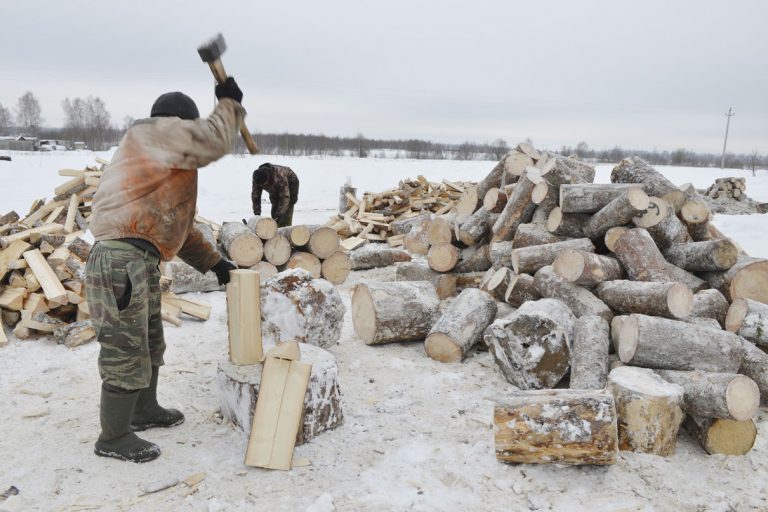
pixel 417 434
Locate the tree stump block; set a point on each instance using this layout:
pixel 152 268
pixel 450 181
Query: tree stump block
pixel 238 390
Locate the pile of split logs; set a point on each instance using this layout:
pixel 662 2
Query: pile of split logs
pixel 382 216
pixel 42 266
pixel 625 293
pixel 728 188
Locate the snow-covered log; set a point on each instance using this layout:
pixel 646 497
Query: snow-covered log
pixel 666 344
pixel 396 311
pixel 376 255
pixel 185 279
pixel 415 240
pixel 710 304
pixel 755 366
pixel 460 326
pixel 586 268
pixel 612 236
pixel 649 410
pixel 242 245
pixel 637 170
pixel 581 301
pixel 519 208
pixel 476 227
pixel 618 212
pixel 567 224
pixel 749 319
pixel 557 426
pixel 712 255
pixel 445 284
pixel 670 300
pixel 662 224
pixel 589 197
pixel 533 234
pixel 589 355
pixel 475 258
pixel 559 170
pixel 747 279
pixel 294 306
pixel 716 395
pixel 527 260
pixel 497 285
pixel 521 289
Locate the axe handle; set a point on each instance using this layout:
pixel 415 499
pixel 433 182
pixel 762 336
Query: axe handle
pixel 217 68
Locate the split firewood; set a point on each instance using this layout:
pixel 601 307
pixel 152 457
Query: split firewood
pixel 589 355
pixel 475 258
pixel 79 248
pixel 51 285
pixel 244 248
pixel 716 395
pixel 306 261
pixel 747 279
pixel 670 300
pixel 557 426
pixel 649 410
pixel 637 170
pixel 75 334
pixel 375 256
pixel 720 436
pixel 297 235
pixel 497 285
pixel 618 212
pixel 190 307
pixel 460 326
pixel 442 257
pixel 581 301
pixel 336 267
pixel 533 234
pixel 520 290
pixel 666 344
pixel 397 311
pixel 12 252
pixel 445 284
pixel 585 268
pixel 590 197
pixel 528 260
pixel 532 347
pixel 749 319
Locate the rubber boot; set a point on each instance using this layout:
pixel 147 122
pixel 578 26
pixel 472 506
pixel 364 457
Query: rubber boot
pixel 149 414
pixel 117 440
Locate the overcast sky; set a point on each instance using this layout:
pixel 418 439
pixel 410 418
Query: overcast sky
pixel 650 74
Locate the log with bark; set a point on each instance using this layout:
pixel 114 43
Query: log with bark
pixel 263 227
pixel 244 248
pixel 323 242
pixel 442 257
pixel 445 284
pixel 521 289
pixel 497 285
pixel 618 212
pixel 557 426
pixel 666 344
pixel 663 225
pixel 637 170
pixel 297 235
pixel 533 234
pixel 749 319
pixel 415 240
pixel 716 395
pixel 519 208
pixel 612 237
pixel 439 231
pixel 494 200
pixel 560 170
pixel 476 227
pixel 460 326
pixel 336 267
pixel 590 197
pixel 532 347
pixel 710 304
pixel 747 279
pixel 649 410
pixel 528 260
pixel 724 437
pixel 587 269
pixel 670 300
pixel 474 259
pixel 375 256
pixel 696 216
pixel 567 224
pixel 755 366
pixel 184 278
pixel 712 255
pixel 581 301
pixel 396 311
pixel 589 355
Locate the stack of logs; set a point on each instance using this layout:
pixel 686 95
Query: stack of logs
pixel 624 292
pixel 728 188
pixel 375 217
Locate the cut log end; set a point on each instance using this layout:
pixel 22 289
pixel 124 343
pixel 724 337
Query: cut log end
pixel 569 264
pixel 722 436
pixel 540 192
pixel 364 314
pixel 627 338
pixel 336 267
pixel 742 397
pixel 737 312
pixel 323 242
pixel 680 300
pixel 657 211
pixel 638 198
pixel 695 212
pixel 442 257
pixel 443 348
pixel 612 236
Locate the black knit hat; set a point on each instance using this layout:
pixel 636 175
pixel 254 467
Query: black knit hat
pixel 262 174
pixel 175 104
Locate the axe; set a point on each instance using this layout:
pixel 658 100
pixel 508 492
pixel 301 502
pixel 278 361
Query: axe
pixel 211 52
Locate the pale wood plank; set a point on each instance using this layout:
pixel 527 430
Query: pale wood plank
pixel 53 289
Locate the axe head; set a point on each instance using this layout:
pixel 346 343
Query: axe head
pixel 212 50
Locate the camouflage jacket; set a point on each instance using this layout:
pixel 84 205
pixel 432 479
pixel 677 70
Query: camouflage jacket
pixel 282 187
pixel 149 189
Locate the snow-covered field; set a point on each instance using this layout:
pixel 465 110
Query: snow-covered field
pixel 416 433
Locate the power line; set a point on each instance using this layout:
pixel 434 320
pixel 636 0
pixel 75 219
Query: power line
pixel 729 115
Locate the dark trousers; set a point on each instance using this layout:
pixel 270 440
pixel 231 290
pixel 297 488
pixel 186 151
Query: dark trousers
pixel 286 219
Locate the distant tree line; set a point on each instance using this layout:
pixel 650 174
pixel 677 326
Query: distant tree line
pixel 89 121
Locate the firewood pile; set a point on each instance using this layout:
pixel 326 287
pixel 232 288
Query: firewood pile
pixel 42 266
pixel 728 188
pixel 625 293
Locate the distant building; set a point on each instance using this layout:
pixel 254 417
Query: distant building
pixel 79 145
pixel 22 143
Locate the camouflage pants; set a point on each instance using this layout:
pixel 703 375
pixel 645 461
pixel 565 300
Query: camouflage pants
pixel 123 291
pixel 286 219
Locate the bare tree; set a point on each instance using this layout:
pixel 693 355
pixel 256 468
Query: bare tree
pixel 754 161
pixel 5 120
pixel 499 148
pixel 28 114
pixel 87 120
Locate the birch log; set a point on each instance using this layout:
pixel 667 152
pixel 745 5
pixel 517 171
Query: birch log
pixel 263 227
pixel 323 242
pixel 527 260
pixel 442 257
pixel 415 240
pixel 336 267
pixel 497 285
pixel 618 212
pixel 396 311
pixel 665 344
pixel 476 227
pixel 445 284
pixel 747 279
pixel 585 268
pixel 637 170
pixel 589 197
pixel 567 224
pixel 557 426
pixel 589 357
pixel 581 301
pixel 712 255
pixel 719 436
pixel 696 215
pixel 375 256
pixel 648 408
pixel 519 208
pixel 561 170
pixel 670 300
pixel 612 236
pixel 297 235
pixel 716 395
pixel 305 261
pixel 244 248
pixel 474 259
pixel 755 366
pixel 277 250
pixel 533 234
pixel 521 289
pixel 665 228
pixel 494 200
pixel 749 319
pixel 710 304
pixel 532 348
pixel 460 326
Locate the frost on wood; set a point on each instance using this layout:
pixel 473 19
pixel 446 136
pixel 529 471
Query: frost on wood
pixel 637 170
pixel 294 306
pixel 660 343
pixel 397 311
pixel 445 284
pixel 580 300
pixel 560 170
pixel 533 234
pixel 720 436
pixel 712 255
pixel 716 395
pixel 558 426
pixel 649 410
pixel 532 347
pixel 527 260
pixel 186 279
pixel 755 366
pixel 521 289
pixel 474 259
pixel 460 326
pixel 589 355
pixel 710 304
pixel 747 279
pixel 749 319
pixel 376 255
pixel 587 269
pixel 589 197
pixel 238 391
pixel 670 300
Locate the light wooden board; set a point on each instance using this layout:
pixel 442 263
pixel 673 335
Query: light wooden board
pixel 244 317
pixel 3 337
pixel 53 289
pixel 278 413
pixel 42 230
pixel 193 308
pixel 69 224
pixel 11 253
pixel 69 185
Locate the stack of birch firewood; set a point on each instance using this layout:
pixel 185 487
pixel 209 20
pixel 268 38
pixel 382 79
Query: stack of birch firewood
pixel 376 216
pixel 728 188
pixel 42 266
pixel 625 293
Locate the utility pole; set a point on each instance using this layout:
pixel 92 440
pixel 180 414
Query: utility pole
pixel 729 115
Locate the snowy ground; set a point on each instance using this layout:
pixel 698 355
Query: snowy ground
pixel 416 434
